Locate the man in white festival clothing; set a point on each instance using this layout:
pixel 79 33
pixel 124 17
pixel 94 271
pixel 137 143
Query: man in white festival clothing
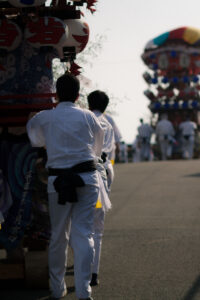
pixel 73 139
pixel 187 129
pixel 98 101
pixel 117 135
pixel 165 135
pixel 145 132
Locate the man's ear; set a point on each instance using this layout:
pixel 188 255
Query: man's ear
pixel 77 98
pixel 56 98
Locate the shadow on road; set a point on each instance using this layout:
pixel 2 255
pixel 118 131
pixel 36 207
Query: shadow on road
pixel 193 175
pixel 190 295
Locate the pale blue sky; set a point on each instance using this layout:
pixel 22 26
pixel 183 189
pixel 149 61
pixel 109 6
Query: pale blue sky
pixel 128 26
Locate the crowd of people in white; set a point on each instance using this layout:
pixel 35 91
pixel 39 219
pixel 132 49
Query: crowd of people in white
pixel 166 139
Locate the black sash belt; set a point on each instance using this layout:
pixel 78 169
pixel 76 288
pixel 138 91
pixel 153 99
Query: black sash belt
pixel 166 137
pixel 68 180
pixel 186 137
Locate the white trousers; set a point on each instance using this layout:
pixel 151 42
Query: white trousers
pixel 145 151
pixel 110 174
pixel 98 234
pixel 80 217
pixel 99 217
pixel 188 147
pixel 166 149
pixel 136 155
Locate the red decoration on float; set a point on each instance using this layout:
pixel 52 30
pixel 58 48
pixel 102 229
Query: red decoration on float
pixel 82 39
pixel 90 4
pixel 177 33
pixel 74 69
pixel 48 31
pixel 10 35
pixel 78 34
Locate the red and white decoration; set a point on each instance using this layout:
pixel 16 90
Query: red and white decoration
pixel 78 34
pixel 47 31
pixel 10 35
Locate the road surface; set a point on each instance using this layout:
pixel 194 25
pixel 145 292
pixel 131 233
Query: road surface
pixel 151 244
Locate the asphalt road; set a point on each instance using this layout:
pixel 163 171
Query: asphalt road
pixel 151 245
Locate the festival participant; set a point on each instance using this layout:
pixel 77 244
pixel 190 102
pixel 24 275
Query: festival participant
pixel 73 138
pixel 136 149
pixel 144 134
pixel 117 135
pixel 98 102
pixel 165 136
pixel 123 152
pixel 187 129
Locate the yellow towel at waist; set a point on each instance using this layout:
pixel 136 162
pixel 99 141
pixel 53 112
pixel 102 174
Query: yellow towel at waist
pixel 98 204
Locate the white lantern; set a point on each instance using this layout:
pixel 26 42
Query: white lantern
pixel 10 35
pixel 26 3
pixel 163 61
pixel 47 31
pixel 78 34
pixel 184 60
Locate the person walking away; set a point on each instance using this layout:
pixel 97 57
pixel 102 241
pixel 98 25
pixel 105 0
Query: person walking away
pixel 97 102
pixel 118 137
pixel 73 138
pixel 187 129
pixel 144 134
pixel 165 135
pixel 123 152
pixel 136 149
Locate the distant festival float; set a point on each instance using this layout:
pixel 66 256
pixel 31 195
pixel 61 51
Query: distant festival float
pixel 173 76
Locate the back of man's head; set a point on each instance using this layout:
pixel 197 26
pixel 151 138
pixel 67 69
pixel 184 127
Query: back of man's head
pixel 67 88
pixel 98 100
pixel 187 118
pixel 164 117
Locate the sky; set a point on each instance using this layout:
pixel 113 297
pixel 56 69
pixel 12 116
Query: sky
pixel 127 26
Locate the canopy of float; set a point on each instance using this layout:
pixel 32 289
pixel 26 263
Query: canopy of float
pixel 188 35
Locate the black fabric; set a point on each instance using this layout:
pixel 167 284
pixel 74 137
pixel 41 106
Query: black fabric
pixel 186 137
pixel 68 180
pixel 166 137
pixel 103 156
pixel 144 140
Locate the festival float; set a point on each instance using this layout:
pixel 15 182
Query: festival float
pixel 32 34
pixel 173 77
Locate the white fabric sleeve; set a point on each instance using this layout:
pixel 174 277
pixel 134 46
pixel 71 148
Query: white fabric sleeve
pixel 35 132
pixel 109 141
pixel 98 139
pixel 96 130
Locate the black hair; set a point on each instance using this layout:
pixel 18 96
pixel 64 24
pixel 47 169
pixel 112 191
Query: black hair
pixel 98 100
pixel 67 88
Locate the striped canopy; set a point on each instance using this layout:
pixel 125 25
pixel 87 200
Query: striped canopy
pixel 189 35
